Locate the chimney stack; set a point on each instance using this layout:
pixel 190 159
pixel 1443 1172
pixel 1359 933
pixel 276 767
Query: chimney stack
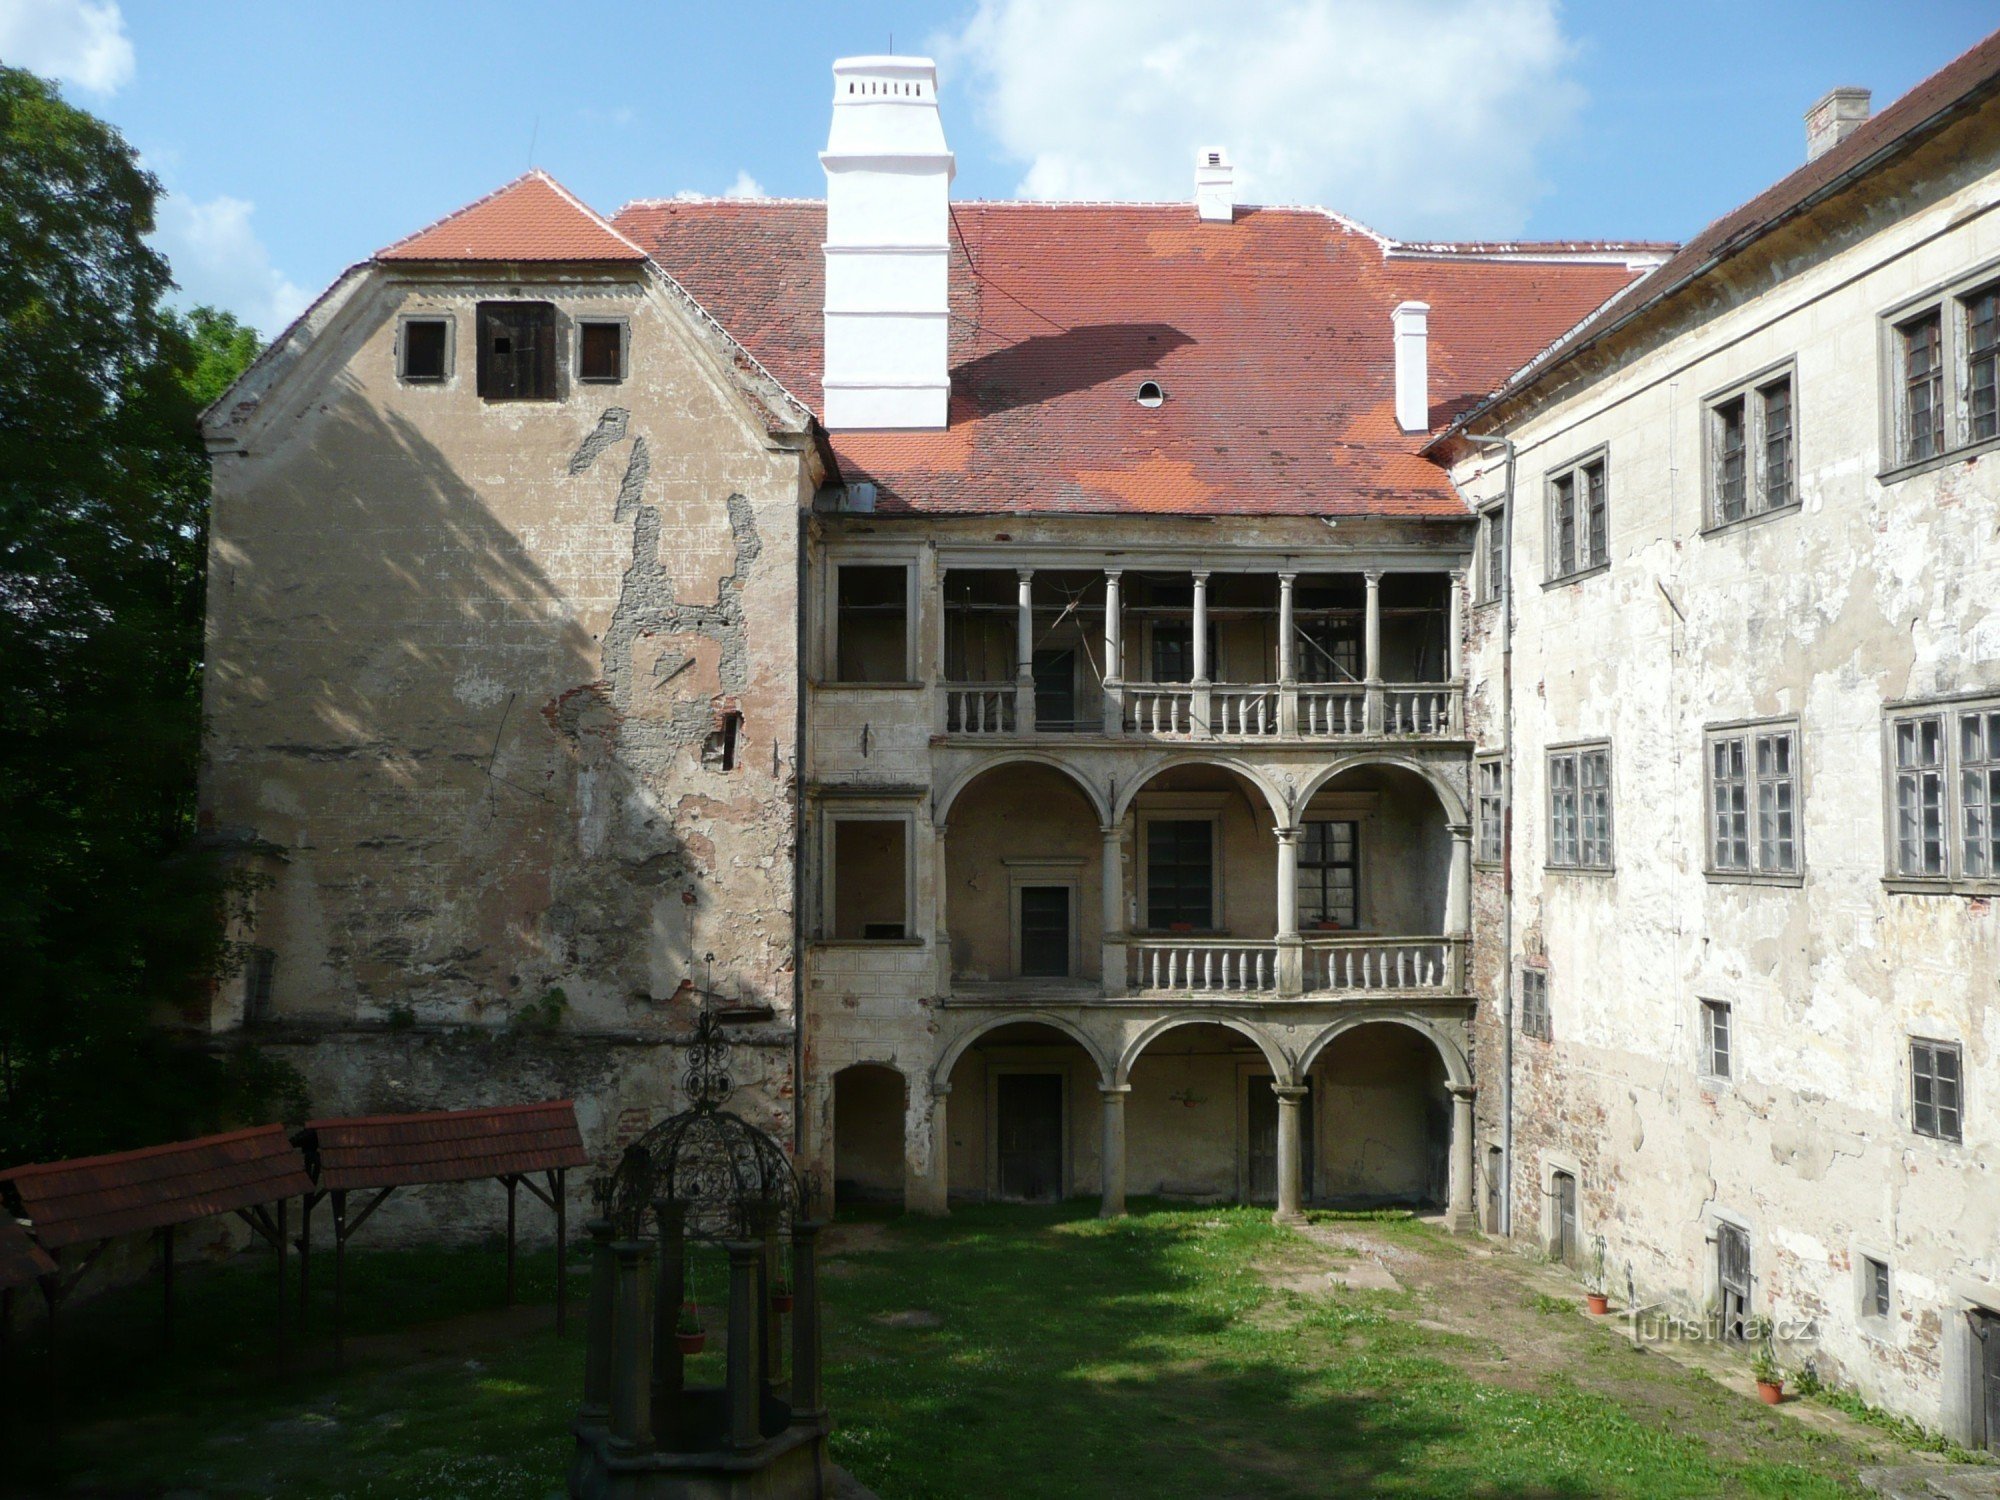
pixel 888 248
pixel 1834 119
pixel 1214 186
pixel 1412 322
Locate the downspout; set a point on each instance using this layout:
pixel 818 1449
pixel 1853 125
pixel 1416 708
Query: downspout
pixel 1506 831
pixel 803 677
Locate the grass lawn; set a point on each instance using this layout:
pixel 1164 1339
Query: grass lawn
pixel 1006 1351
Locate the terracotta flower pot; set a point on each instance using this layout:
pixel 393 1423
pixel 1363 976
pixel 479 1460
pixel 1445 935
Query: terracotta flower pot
pixel 691 1343
pixel 1771 1392
pixel 781 1302
pixel 1598 1303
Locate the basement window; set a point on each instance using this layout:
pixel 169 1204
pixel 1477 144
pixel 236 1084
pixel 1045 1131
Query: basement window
pixel 423 350
pixel 517 351
pixel 868 892
pixel 601 350
pixel 872 623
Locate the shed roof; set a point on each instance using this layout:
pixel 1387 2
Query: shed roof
pixel 131 1192
pixel 457 1145
pixel 22 1261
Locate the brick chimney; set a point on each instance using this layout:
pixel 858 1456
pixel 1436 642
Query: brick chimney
pixel 1834 119
pixel 888 248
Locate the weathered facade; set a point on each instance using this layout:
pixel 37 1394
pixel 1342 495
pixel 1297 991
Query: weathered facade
pixel 1763 1078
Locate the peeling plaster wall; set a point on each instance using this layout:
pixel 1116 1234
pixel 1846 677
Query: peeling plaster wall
pixel 466 662
pixel 1866 595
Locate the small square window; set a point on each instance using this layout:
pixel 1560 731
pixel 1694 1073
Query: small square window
pixel 1874 1287
pixel 425 347
pixel 600 352
pixel 1936 1101
pixel 1716 1039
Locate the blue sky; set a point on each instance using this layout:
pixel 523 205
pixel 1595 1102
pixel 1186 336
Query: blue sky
pixel 295 138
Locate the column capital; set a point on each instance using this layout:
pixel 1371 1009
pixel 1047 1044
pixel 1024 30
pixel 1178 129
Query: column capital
pixel 1459 830
pixel 1462 1091
pixel 1114 1091
pixel 1114 573
pixel 1288 579
pixel 1024 574
pixel 1289 1093
pixel 940 1090
pixel 1373 575
pixel 1287 835
pixel 1111 830
pixel 1199 575
pixel 940 829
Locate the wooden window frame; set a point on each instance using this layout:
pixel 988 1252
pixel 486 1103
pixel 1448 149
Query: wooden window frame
pixel 450 324
pixel 1485 851
pixel 1958 814
pixel 1754 393
pixel 1354 863
pixel 1951 304
pixel 1492 563
pixel 1590 543
pixel 1954 1133
pixel 487 377
pixel 1143 871
pixel 1716 1056
pixel 624 327
pixel 1749 735
pixel 1579 848
pixel 1537 1015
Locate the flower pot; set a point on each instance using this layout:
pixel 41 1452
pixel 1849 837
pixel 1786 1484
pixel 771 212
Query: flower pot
pixel 781 1302
pixel 691 1343
pixel 1770 1392
pixel 1598 1303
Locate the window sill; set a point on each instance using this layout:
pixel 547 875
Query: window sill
pixel 1757 518
pixel 1917 885
pixel 1791 879
pixel 1969 451
pixel 1576 577
pixel 1479 604
pixel 868 942
pixel 872 687
pixel 1600 871
pixel 1489 864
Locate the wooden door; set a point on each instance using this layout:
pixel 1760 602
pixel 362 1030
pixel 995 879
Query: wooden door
pixel 1987 1326
pixel 1732 1274
pixel 1563 1244
pixel 1028 1125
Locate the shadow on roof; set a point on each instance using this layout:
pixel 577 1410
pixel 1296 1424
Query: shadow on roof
pixel 1055 364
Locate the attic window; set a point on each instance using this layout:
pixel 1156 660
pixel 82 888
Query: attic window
pixel 425 349
pixel 600 351
pixel 1150 393
pixel 517 351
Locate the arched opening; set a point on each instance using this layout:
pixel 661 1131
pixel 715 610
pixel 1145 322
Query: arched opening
pixel 1201 1121
pixel 1383 1132
pixel 1023 881
pixel 1024 1116
pixel 869 1108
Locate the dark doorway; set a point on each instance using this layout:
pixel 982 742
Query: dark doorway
pixel 1495 1173
pixel 1263 1143
pixel 1045 942
pixel 1986 1327
pixel 1562 1244
pixel 1055 691
pixel 1028 1110
pixel 1732 1274
pixel 868 1109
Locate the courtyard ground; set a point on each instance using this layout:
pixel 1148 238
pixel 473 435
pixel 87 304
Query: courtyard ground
pixel 1003 1352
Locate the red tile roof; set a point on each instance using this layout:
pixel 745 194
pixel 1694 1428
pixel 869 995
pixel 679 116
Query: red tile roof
pixel 1270 336
pixel 22 1261
pixel 455 1145
pixel 1968 80
pixel 532 218
pixel 96 1197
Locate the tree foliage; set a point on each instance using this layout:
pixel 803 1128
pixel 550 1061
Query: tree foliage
pixel 111 929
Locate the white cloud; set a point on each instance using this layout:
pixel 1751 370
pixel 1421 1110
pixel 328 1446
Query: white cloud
pixel 1421 117
pixel 77 41
pixel 745 186
pixel 218 259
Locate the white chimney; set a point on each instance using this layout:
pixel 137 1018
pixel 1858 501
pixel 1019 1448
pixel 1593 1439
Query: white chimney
pixel 888 249
pixel 1834 119
pixel 1214 186
pixel 1412 322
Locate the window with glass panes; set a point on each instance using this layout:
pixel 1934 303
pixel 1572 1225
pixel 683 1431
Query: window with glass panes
pixel 1936 1100
pixel 1982 365
pixel 1715 1038
pixel 1874 1287
pixel 1753 801
pixel 1487 795
pixel 1944 811
pixel 1579 517
pixel 1941 358
pixel 1750 467
pixel 1329 874
pixel 1922 413
pixel 1180 873
pixel 1535 1018
pixel 1493 568
pixel 1580 808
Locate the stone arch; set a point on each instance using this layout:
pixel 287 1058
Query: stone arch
pixel 1274 1052
pixel 868 1139
pixel 956 1048
pixel 941 811
pixel 1457 1069
pixel 1450 799
pixel 1274 796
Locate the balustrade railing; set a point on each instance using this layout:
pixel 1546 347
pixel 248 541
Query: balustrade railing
pixel 1338 964
pixel 979 707
pixel 1333 710
pixel 1153 708
pixel 1231 711
pixel 1201 964
pixel 1423 708
pixel 1240 712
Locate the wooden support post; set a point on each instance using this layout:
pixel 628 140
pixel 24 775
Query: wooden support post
pixel 556 1178
pixel 632 1347
pixel 512 1183
pixel 669 1364
pixel 167 1288
pixel 596 1407
pixel 805 1322
pixel 743 1391
pixel 769 1271
pixel 339 1279
pixel 283 1307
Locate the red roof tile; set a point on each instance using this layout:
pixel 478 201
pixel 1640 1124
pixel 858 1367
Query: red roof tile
pixel 96 1197
pixel 454 1145
pixel 1270 335
pixel 22 1261
pixel 532 218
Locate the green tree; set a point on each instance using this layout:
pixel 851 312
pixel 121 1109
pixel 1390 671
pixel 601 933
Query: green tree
pixel 110 912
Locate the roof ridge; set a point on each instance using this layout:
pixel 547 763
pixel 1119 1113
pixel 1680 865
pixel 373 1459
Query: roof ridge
pixel 466 208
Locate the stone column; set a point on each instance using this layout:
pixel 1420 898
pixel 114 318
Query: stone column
pixel 669 1369
pixel 1202 725
pixel 1455 624
pixel 1113 881
pixel 1114 652
pixel 941 913
pixel 1458 901
pixel 806 1402
pixel 1112 1169
pixel 743 1388
pixel 1288 686
pixel 1291 947
pixel 1289 1157
pixel 632 1346
pixel 1024 653
pixel 1461 1217
pixel 1371 648
pixel 596 1408
pixel 925 1191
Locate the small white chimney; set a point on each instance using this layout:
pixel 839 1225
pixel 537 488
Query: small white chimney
pixel 1834 119
pixel 1412 322
pixel 888 247
pixel 1214 186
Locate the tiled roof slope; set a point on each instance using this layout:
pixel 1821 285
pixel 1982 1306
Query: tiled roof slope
pixel 1270 336
pixel 1968 79
pixel 371 1151
pixel 97 1197
pixel 532 218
